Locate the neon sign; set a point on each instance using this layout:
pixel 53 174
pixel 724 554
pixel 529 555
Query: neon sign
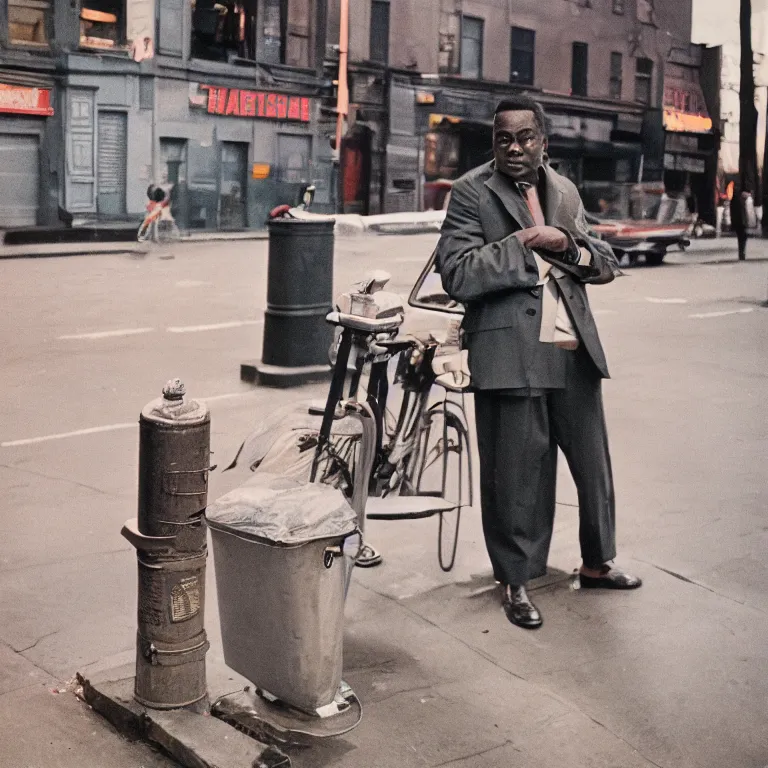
pixel 237 102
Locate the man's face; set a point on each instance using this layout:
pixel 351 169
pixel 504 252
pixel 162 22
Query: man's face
pixel 518 145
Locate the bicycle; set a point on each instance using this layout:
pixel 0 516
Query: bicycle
pixel 424 435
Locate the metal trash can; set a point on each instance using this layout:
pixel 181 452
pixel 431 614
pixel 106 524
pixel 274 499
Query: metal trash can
pixel 281 578
pixel 299 296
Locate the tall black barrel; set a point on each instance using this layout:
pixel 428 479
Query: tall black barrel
pixel 299 296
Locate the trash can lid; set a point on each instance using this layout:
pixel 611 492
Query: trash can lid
pixel 283 511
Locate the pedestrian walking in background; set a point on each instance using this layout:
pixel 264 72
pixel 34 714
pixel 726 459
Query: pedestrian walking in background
pixel 739 219
pixel 515 250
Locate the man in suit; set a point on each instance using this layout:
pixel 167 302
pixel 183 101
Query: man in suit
pixel 739 218
pixel 516 251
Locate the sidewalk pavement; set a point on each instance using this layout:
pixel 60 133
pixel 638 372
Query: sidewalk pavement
pixel 670 676
pixel 444 680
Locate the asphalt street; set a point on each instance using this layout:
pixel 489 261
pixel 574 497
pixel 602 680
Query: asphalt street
pixel 675 675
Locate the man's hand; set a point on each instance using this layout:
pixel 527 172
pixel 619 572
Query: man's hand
pixel 548 238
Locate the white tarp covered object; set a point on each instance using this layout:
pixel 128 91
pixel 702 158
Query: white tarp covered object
pixel 283 511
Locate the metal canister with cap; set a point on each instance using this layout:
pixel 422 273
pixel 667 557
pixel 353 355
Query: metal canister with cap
pixel 171 541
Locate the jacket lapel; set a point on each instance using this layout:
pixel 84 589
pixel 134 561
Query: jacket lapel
pixel 512 201
pixel 554 195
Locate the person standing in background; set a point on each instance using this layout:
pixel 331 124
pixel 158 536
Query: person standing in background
pixel 739 219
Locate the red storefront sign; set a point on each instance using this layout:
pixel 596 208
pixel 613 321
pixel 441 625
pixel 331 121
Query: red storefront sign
pixel 685 109
pixel 18 100
pixel 237 102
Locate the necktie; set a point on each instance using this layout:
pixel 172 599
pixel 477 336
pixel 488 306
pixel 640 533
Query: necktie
pixel 556 325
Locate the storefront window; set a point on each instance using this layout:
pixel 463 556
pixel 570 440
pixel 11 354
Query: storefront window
pixel 27 22
pixel 102 23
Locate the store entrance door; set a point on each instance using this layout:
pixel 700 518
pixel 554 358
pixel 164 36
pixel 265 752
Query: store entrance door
pixel 233 185
pixel 113 162
pixel 173 156
pixel 356 172
pixel 19 180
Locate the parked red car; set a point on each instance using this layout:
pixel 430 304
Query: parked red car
pixel 646 238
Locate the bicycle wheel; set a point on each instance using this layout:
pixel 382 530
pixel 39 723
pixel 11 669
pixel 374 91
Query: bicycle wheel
pixel 446 471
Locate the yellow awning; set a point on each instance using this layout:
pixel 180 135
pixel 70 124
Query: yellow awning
pixel 684 122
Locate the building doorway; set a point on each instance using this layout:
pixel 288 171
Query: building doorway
pixel 356 172
pixel 19 180
pixel 173 156
pixel 233 185
pixel 112 163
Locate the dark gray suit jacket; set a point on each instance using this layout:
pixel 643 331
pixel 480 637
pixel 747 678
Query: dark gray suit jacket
pixel 486 268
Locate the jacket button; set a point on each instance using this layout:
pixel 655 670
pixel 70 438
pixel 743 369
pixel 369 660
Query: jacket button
pixel 530 311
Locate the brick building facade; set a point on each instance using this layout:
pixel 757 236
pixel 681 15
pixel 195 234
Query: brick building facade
pixel 233 101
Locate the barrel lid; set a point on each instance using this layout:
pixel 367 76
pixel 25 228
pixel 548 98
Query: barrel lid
pixel 174 408
pixel 318 219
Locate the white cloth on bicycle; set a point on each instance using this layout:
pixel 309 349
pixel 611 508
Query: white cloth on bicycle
pixel 284 420
pixel 452 371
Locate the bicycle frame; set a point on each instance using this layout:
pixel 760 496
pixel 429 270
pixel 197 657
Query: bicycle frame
pixel 402 454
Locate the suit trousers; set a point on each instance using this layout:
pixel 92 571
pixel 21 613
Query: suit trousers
pixel 518 438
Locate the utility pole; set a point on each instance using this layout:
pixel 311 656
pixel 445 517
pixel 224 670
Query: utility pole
pixel 748 112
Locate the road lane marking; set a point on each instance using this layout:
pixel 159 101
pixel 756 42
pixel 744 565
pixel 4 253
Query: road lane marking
pixel 723 313
pixel 605 312
pixel 107 334
pixel 213 398
pixel 655 300
pixel 75 433
pixel 213 327
pixel 106 427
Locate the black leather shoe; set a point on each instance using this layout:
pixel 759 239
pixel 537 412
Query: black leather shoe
pixel 610 578
pixel 520 610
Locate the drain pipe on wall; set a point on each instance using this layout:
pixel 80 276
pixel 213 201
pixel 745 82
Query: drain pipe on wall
pixel 342 98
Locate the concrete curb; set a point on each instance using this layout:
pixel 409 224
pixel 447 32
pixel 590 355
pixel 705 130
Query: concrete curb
pixel 193 739
pixel 347 225
pixel 50 250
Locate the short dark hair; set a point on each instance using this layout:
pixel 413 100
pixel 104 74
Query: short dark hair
pixel 523 104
